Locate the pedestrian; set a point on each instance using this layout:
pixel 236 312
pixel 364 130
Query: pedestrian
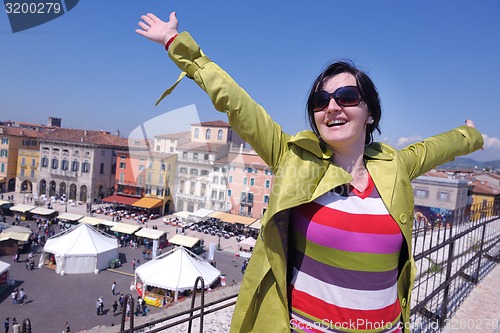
pixel 13 295
pixel 133 264
pixel 22 297
pixel 16 327
pixel 113 288
pixel 98 307
pixel 66 328
pixel 115 307
pixel 333 183
pixel 6 324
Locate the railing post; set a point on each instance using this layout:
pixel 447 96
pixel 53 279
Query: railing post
pixel 478 269
pixel 444 307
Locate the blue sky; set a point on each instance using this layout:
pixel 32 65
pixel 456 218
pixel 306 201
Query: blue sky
pixel 435 63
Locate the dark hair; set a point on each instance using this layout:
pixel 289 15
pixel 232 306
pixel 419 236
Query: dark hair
pixel 365 84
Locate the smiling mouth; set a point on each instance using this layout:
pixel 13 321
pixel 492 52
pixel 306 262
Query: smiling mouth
pixel 336 122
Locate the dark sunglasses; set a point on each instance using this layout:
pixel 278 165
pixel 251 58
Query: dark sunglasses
pixel 343 96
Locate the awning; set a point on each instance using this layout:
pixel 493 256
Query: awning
pixel 19 236
pixel 109 223
pixel 69 217
pixel 203 212
pixel 185 241
pixel 3 202
pixel 148 203
pixel 256 225
pixel 150 233
pixel 42 211
pixel 2 179
pixel 233 218
pixel 90 220
pixel 125 228
pixel 22 208
pixel 120 199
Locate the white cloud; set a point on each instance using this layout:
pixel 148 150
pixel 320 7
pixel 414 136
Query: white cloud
pixel 405 141
pixel 491 143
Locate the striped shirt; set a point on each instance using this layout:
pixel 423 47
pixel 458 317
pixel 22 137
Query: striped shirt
pixel 346 264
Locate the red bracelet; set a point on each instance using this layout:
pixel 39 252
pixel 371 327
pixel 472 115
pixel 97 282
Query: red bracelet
pixel 170 42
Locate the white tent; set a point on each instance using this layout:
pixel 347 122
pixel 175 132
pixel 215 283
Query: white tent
pixel 176 270
pixel 81 249
pixel 5 273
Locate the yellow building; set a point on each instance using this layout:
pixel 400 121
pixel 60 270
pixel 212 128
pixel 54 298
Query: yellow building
pixel 27 170
pixel 12 139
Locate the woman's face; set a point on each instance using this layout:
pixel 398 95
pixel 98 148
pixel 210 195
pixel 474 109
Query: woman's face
pixel 342 127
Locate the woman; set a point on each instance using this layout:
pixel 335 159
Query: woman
pixel 335 244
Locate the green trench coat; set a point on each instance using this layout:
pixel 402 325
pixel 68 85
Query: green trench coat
pixel 304 171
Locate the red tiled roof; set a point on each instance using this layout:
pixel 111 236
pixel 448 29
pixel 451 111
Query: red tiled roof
pixel 88 136
pixel 213 123
pixel 20 131
pixel 484 188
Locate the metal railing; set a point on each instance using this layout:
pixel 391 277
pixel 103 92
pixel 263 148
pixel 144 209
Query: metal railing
pixel 452 255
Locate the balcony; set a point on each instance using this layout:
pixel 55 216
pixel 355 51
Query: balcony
pixel 63 174
pixel 195 160
pixel 190 196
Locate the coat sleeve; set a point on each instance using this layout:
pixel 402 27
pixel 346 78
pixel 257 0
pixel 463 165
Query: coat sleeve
pixel 423 156
pixel 246 117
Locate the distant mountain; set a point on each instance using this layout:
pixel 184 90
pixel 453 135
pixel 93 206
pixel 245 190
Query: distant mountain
pixel 469 163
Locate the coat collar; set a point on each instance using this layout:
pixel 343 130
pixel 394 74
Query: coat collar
pixel 307 140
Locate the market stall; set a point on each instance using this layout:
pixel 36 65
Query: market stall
pixel 82 249
pixel 163 278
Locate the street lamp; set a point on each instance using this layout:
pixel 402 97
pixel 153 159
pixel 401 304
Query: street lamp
pixel 218 244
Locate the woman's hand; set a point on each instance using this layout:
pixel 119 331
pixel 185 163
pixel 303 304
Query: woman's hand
pixel 157 30
pixel 470 123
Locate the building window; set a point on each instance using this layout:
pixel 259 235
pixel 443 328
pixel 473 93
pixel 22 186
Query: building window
pixel 245 180
pixel 221 196
pixel 140 180
pixel 2 169
pixel 86 166
pixel 141 167
pixel 65 164
pixel 74 166
pixel 158 148
pixel 33 162
pixel 443 196
pixel 249 170
pixel 183 170
pixel 215 180
pixel 184 154
pixel 101 168
pixel 252 181
pixel 193 172
pixel 195 156
pixel 22 172
pixel 45 162
pixel 181 186
pixel 162 167
pixel 203 189
pixel 122 165
pixel 191 188
pixel 228 193
pixel 266 198
pixel 268 183
pixel 196 133
pixel 5 141
pixel 230 179
pixel 204 172
pixel 150 175
pixel 205 157
pixel 207 134
pixel 55 163
pixel 421 194
pixel 122 177
pixel 32 173
pixel 219 135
